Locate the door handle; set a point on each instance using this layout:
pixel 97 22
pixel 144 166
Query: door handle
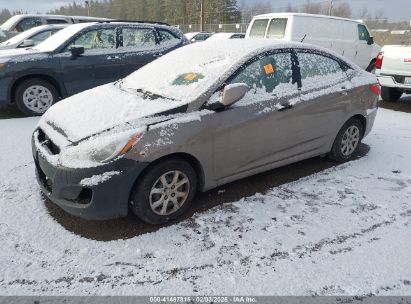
pixel 285 107
pixel 115 57
pixel 343 91
pixel 158 55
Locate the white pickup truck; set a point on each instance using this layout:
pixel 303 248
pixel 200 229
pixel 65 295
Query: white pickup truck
pixel 393 70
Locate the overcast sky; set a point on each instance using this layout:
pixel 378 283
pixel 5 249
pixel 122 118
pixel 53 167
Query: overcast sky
pixel 393 9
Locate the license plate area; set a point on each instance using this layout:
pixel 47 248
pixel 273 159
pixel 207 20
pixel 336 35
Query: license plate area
pixel 407 80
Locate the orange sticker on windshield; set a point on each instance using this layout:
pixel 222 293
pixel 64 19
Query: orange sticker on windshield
pixel 190 76
pixel 268 69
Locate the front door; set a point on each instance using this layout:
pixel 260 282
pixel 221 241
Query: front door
pixel 98 65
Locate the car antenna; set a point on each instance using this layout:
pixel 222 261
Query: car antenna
pixel 302 40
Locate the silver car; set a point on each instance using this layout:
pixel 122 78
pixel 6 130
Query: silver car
pixel 31 37
pixel 197 118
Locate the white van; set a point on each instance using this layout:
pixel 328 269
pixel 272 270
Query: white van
pixel 347 37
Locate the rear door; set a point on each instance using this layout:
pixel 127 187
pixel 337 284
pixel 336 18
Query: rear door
pixel 137 46
pixel 98 65
pixel 323 103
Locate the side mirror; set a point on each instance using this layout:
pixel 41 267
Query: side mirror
pixel 370 41
pixel 27 43
pixel 233 93
pixel 76 51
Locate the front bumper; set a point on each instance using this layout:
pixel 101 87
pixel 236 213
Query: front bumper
pixel 5 84
pixel 108 199
pixel 390 81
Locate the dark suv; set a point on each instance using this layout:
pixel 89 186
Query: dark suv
pixel 80 57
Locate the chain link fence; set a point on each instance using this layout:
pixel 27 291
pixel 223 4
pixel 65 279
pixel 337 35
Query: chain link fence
pixel 214 28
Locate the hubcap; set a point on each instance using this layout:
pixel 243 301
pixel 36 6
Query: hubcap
pixel 350 140
pixel 37 98
pixel 169 192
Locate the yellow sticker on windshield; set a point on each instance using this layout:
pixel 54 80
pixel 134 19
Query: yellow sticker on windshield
pixel 190 76
pixel 268 69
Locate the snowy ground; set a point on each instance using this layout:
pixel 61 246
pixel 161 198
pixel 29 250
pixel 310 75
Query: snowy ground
pixel 344 231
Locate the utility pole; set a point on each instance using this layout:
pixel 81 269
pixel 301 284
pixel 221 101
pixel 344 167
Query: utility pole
pixel 331 8
pixel 88 7
pixel 202 20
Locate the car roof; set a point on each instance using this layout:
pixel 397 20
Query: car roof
pixel 279 15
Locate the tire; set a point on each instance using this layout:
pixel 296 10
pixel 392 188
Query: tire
pixel 371 67
pixel 352 132
pixel 150 190
pixel 390 94
pixel 35 96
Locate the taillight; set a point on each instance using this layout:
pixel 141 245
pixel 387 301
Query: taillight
pixel 378 61
pixel 376 89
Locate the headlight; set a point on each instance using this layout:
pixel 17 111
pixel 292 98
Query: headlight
pixel 98 149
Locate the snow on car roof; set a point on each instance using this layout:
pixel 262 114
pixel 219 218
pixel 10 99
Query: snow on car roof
pixel 62 36
pixel 209 61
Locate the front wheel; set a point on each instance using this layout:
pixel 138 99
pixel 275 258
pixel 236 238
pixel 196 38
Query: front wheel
pixel 390 94
pixel 348 141
pixel 35 96
pixel 165 191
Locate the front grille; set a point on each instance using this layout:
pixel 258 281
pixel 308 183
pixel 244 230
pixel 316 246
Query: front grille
pixel 47 142
pixel 47 182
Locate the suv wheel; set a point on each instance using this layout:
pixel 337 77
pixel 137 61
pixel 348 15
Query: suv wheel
pixel 165 192
pixel 35 96
pixel 390 94
pixel 348 141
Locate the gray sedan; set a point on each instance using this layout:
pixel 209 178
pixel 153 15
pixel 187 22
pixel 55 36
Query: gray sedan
pixel 197 118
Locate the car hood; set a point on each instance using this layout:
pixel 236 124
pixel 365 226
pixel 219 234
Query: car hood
pixel 19 54
pixel 103 108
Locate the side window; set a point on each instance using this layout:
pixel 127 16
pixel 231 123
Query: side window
pixel 266 74
pixel 167 37
pixel 277 28
pixel 27 23
pixel 95 39
pixel 258 28
pixel 317 69
pixel 363 33
pixel 138 38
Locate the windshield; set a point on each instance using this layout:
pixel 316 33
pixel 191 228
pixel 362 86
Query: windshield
pixel 6 26
pixel 58 39
pixel 188 72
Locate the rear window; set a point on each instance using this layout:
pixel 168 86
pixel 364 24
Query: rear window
pixel 258 28
pixel 277 28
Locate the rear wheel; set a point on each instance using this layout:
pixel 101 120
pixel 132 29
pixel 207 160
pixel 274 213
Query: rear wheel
pixel 390 94
pixel 348 141
pixel 165 192
pixel 35 96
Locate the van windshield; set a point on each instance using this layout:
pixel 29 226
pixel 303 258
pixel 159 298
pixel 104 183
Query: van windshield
pixel 258 28
pixel 277 28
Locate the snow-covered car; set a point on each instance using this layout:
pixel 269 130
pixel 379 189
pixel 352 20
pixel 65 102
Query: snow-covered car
pixel 21 23
pixel 80 57
pixel 31 37
pixel 198 36
pixel 224 36
pixel 197 118
pixel 393 70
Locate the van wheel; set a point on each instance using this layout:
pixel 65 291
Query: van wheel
pixel 348 141
pixel 390 94
pixel 35 96
pixel 371 67
pixel 165 192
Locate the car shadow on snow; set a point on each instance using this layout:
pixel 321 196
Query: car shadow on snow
pixel 131 226
pixel 402 105
pixel 10 111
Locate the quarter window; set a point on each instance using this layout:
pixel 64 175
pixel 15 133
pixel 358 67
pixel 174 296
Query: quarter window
pixel 258 28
